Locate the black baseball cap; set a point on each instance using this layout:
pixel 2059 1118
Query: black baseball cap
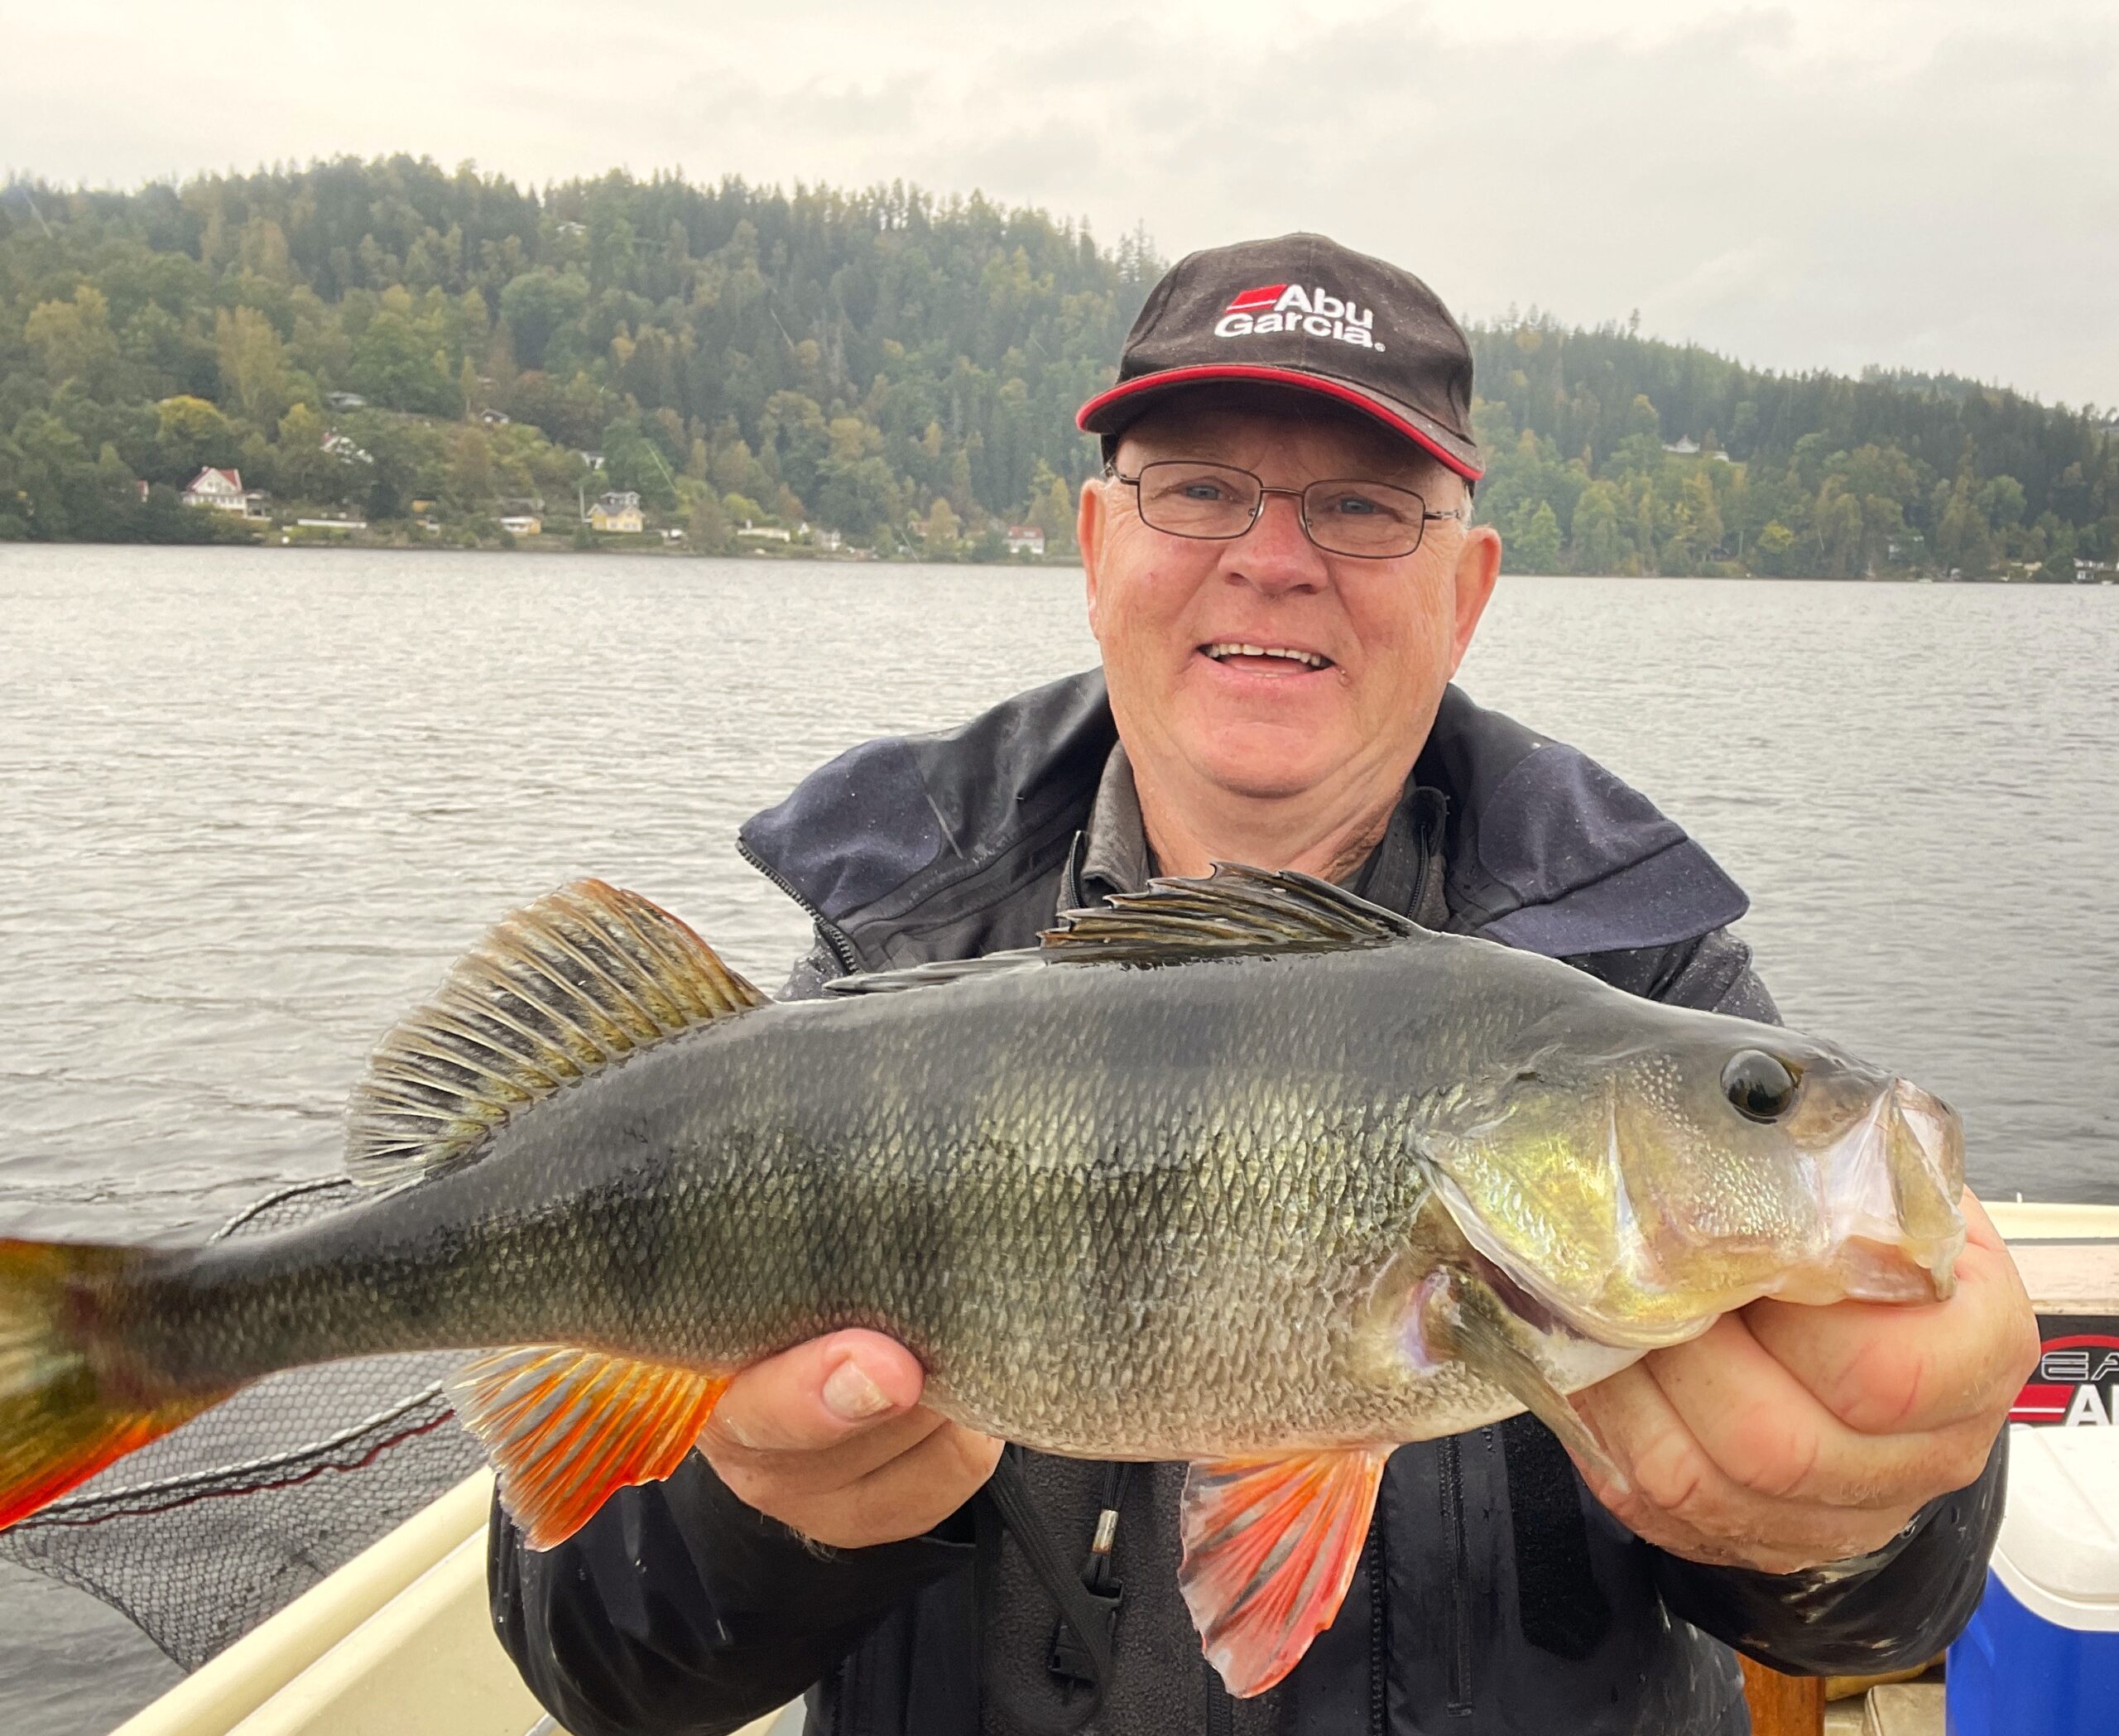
pixel 1302 311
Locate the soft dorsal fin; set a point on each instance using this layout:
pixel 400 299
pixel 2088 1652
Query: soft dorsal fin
pixel 935 972
pixel 585 976
pixel 1237 910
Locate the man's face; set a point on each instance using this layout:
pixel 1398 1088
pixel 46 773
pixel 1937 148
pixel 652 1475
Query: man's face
pixel 1164 608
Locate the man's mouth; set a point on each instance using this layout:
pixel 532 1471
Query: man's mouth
pixel 1282 660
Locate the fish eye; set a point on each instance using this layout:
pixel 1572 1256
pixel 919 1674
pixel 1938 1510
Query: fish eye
pixel 1759 1085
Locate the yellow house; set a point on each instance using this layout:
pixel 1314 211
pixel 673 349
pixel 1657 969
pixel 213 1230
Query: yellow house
pixel 616 512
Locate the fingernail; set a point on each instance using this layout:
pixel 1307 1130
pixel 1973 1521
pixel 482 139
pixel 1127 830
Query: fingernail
pixel 850 1396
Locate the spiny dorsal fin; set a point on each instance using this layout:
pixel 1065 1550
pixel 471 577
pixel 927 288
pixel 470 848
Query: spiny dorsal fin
pixel 585 976
pixel 566 1429
pixel 1239 911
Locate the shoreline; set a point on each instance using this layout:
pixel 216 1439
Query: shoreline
pixel 546 546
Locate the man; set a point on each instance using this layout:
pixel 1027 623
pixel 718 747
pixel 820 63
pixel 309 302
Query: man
pixel 1282 577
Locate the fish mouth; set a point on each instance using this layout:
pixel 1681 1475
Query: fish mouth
pixel 1251 656
pixel 1891 1190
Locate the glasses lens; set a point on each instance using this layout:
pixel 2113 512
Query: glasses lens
pixel 1190 499
pixel 1369 519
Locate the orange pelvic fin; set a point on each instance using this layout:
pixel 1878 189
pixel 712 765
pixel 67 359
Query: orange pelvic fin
pixel 1270 1548
pixel 59 1422
pixel 567 1429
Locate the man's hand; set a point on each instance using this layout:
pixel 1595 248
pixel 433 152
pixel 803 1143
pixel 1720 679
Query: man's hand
pixel 830 1438
pixel 1787 1437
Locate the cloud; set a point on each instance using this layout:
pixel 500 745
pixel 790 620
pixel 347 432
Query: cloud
pixel 1920 183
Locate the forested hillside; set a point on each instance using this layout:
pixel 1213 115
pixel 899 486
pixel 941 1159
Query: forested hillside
pixel 730 352
pixel 892 366
pixel 1814 474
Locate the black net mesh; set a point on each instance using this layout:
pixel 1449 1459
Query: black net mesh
pixel 200 1537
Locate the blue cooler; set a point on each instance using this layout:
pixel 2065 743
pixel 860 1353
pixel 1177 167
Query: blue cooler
pixel 2041 1656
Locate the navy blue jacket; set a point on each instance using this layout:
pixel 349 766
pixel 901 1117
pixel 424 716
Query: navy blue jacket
pixel 1496 1595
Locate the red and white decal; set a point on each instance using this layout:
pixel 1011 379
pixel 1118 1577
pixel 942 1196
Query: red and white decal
pixel 2075 1385
pixel 1290 307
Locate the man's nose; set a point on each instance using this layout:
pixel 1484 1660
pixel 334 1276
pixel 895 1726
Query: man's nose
pixel 1275 554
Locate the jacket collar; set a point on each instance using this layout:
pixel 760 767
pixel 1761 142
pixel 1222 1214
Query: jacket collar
pixel 1544 849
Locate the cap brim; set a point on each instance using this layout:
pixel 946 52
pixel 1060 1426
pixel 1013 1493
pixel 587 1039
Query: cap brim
pixel 1102 414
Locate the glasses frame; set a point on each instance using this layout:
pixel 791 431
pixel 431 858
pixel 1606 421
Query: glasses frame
pixel 1429 515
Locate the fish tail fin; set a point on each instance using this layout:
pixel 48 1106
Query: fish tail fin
pixel 69 1403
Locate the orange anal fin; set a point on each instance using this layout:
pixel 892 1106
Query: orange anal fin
pixel 567 1429
pixel 1270 1547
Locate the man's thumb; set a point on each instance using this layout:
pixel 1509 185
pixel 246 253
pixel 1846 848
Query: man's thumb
pixel 816 1393
pixel 851 1394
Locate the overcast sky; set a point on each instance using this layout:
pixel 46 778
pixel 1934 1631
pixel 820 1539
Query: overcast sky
pixel 1930 184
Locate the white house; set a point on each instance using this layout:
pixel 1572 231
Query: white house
pixel 222 490
pixel 1684 446
pixel 523 524
pixel 1025 539
pixel 766 532
pixel 344 450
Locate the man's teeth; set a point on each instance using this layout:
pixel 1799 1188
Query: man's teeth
pixel 1230 648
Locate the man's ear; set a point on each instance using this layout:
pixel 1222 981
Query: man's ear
pixel 1478 566
pixel 1091 520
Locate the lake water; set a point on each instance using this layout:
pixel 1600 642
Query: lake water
pixel 255 801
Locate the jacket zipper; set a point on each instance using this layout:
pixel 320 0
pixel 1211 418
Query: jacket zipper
pixel 1379 1629
pixel 1221 1709
pixel 1450 1477
pixel 827 932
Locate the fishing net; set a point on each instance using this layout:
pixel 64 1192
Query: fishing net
pixel 200 1537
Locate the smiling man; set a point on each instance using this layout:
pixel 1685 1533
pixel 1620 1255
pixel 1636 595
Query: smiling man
pixel 1282 579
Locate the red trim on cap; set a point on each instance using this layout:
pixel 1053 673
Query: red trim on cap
pixel 1279 376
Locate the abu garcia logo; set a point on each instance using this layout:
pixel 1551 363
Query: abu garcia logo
pixel 1290 307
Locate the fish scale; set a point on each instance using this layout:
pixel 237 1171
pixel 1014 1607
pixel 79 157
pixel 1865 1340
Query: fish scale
pixel 1243 1171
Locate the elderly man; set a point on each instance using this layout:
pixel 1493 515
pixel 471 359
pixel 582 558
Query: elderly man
pixel 1283 576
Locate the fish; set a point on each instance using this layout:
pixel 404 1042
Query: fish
pixel 1240 1170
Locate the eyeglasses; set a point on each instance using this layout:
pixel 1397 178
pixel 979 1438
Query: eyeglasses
pixel 1369 521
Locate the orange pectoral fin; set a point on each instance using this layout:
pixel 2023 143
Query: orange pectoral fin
pixel 567 1429
pixel 1270 1548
